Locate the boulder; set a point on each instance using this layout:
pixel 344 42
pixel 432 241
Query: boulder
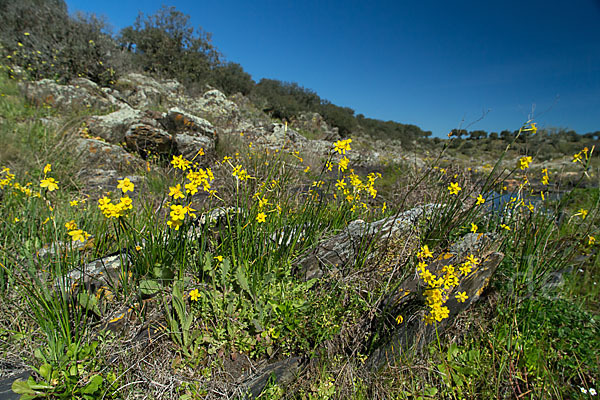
pixel 192 134
pixel 142 92
pixel 102 164
pixel 143 138
pixel 67 97
pixel 215 107
pixel 112 127
pixel 337 252
pixel 93 153
pixel 280 137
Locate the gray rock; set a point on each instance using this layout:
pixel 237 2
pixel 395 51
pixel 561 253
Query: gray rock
pixel 191 133
pixel 96 154
pixel 112 127
pixel 143 138
pixel 215 107
pixel 340 250
pixel 67 97
pixel 102 272
pixel 143 92
pixel 282 372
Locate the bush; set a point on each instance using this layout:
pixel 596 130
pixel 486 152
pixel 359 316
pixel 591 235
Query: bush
pixel 166 45
pixel 40 37
pixel 231 78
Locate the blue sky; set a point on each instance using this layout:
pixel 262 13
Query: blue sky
pixel 438 65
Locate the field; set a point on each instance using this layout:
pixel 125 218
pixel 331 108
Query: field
pixel 271 273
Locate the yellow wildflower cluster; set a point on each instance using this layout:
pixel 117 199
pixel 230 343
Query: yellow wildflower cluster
pixel 438 288
pixel 341 146
pixel 200 178
pixel 178 213
pixel 240 173
pixel 6 177
pixel 116 210
pixel 180 163
pixel 357 187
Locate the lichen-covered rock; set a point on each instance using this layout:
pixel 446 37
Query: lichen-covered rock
pixel 102 164
pixel 192 134
pixel 93 153
pixel 215 107
pixel 67 97
pixel 112 127
pixel 143 138
pixel 143 92
pixel 278 136
pixel 340 250
pixel 315 124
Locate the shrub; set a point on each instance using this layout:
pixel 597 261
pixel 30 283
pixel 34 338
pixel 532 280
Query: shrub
pixel 165 44
pixel 41 38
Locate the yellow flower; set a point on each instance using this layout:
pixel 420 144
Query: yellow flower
pixel 125 185
pixel 71 225
pixel 343 164
pixel 125 203
pixel 103 203
pixel 480 200
pixel 177 212
pixel 591 240
pixel 175 192
pixel 532 128
pixel 261 217
pixel 341 146
pixel 524 162
pixel 79 235
pixel 74 203
pixel 190 211
pixel 582 212
pixel 425 253
pixel 473 260
pixel 175 223
pixel 399 319
pixel 473 228
pixel 465 268
pixel 194 295
pixel 504 226
pixel 180 162
pixel 49 183
pixel 47 168
pixel 340 184
pixel 263 202
pixel 219 258
pixel 306 169
pixel 454 188
pixel 461 297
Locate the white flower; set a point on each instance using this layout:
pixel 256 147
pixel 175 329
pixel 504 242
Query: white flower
pixel 592 391
pixel 583 390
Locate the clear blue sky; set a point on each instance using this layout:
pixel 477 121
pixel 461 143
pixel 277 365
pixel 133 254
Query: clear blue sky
pixel 428 63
